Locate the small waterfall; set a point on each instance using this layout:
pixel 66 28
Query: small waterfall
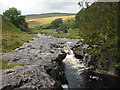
pixel 74 69
pixel 79 75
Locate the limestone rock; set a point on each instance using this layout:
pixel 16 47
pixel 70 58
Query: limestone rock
pixel 40 56
pixel 30 76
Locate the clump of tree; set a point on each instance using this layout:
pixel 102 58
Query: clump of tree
pixel 56 23
pixel 16 18
pixel 69 23
pixel 98 25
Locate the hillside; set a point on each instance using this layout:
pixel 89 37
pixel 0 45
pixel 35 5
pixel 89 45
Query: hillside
pixel 12 37
pixel 98 25
pixel 41 19
pixel 45 15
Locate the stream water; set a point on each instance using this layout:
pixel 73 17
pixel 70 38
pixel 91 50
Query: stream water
pixel 74 69
pixel 78 74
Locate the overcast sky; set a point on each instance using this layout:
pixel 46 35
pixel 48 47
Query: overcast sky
pixel 40 6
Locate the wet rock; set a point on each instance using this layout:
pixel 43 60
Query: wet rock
pixel 87 58
pixel 78 51
pixel 100 65
pixel 60 58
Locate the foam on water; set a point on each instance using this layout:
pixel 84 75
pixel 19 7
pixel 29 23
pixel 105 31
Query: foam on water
pixel 74 69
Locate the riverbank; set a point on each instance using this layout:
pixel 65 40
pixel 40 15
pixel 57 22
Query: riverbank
pixel 12 37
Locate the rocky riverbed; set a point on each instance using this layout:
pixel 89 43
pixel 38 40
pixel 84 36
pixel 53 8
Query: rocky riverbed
pixel 47 65
pixel 41 57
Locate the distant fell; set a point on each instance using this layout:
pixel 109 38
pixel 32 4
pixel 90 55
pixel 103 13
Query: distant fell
pixel 45 15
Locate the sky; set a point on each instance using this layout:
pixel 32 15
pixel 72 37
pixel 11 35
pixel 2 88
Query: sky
pixel 40 6
pixel 44 6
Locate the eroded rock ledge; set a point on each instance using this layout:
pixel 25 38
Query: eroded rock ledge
pixel 99 66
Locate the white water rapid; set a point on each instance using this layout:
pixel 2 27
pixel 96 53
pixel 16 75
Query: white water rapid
pixel 74 69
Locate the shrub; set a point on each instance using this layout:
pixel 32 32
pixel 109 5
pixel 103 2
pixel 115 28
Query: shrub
pixel 16 18
pixel 56 23
pixel 69 23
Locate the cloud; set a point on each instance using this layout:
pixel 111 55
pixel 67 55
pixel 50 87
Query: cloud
pixel 40 6
pixel 70 7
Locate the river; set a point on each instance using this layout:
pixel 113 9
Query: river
pixel 79 75
pixel 41 70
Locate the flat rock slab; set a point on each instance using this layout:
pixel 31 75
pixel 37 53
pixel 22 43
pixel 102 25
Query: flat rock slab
pixel 29 76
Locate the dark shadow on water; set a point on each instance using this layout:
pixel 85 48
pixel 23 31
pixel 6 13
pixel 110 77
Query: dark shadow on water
pixel 102 81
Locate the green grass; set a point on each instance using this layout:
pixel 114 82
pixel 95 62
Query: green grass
pixel 48 31
pixel 5 65
pixel 72 33
pixel 46 26
pixel 12 37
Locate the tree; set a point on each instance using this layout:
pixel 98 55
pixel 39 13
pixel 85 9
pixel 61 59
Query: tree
pixel 84 4
pixel 15 16
pixel 24 27
pixel 12 12
pixel 56 23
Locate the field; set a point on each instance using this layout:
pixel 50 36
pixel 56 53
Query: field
pixel 41 21
pixel 46 15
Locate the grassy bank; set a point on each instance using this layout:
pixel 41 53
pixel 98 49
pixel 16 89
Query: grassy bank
pixel 12 37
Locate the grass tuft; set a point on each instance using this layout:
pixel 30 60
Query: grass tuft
pixel 6 65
